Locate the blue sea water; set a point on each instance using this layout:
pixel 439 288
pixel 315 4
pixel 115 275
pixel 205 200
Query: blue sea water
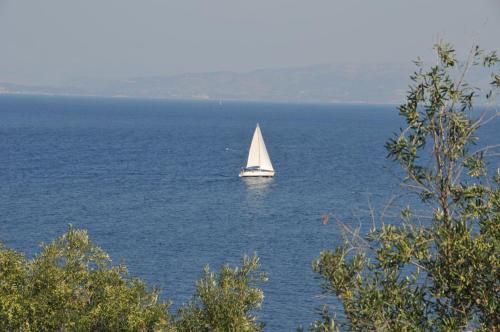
pixel 156 184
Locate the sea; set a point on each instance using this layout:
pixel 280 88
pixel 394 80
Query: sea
pixel 155 183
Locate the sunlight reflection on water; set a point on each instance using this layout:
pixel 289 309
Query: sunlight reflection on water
pixel 257 189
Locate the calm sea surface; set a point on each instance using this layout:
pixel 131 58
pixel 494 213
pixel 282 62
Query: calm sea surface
pixel 156 184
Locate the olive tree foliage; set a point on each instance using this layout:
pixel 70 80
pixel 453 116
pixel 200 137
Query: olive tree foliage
pixel 225 302
pixel 443 274
pixel 71 285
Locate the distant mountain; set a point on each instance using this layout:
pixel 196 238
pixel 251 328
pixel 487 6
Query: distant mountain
pixel 320 83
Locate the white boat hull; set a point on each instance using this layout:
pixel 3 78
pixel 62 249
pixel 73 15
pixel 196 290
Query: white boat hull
pixel 256 173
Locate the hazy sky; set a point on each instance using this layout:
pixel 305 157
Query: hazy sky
pixel 53 41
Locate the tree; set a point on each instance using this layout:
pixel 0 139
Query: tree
pixel 225 302
pixel 72 286
pixel 442 275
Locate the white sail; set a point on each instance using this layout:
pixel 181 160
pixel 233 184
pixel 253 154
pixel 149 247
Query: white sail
pixel 258 156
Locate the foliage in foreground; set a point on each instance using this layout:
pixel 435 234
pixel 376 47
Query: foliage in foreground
pixel 441 275
pixel 225 302
pixel 72 286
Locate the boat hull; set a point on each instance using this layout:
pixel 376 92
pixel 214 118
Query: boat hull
pixel 256 173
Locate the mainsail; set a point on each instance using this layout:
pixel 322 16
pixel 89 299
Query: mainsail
pixel 258 156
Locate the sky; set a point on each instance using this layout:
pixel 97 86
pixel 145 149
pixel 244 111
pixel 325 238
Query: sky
pixel 51 42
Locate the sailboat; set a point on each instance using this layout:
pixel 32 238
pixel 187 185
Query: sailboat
pixel 259 163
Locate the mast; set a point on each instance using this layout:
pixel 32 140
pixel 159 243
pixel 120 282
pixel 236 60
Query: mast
pixel 259 136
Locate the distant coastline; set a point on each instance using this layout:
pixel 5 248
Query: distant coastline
pixel 354 84
pixel 118 97
pixel 384 84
